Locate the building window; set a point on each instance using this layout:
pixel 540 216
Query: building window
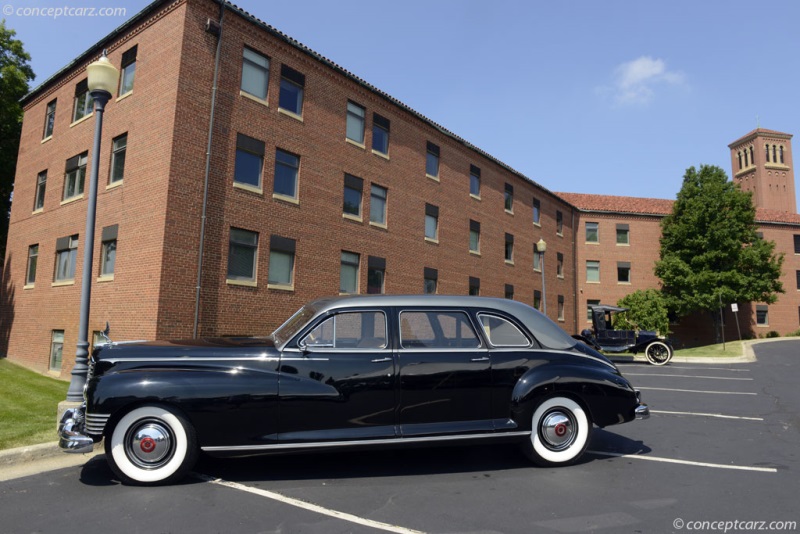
pixel 561 307
pixel 797 243
pixel 739 157
pixel 593 271
pixel 353 187
pixel 108 250
pixel 509 292
pixel 623 234
pixel 780 153
pixel 623 272
pixel 49 119
pixel 537 211
pixel 377 205
pixel 537 299
pixel 56 348
pixel 255 74
pixel 128 71
pixel 348 273
pixel 474 286
pixel 589 304
pixel 431 222
pixel 431 277
pixel 33 258
pixel 376 275
pixel 509 248
pixel 432 160
pixel 292 88
pixel 475 237
pixel 66 256
pixel 537 258
pixel 287 169
pixel 752 159
pixel 746 161
pixel 355 122
pixel 281 262
pixel 797 273
pixel 243 255
pixel 474 181
pixel 249 161
pixel 559 265
pixel 380 134
pixel 559 223
pixel 41 186
pixel 75 176
pixel 119 147
pixel 509 198
pixel 592 232
pixel 83 101
pixel 762 315
pixel 774 154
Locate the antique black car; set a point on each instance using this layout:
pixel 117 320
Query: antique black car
pixel 346 372
pixel 603 336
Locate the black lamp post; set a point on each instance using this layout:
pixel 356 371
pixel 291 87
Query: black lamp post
pixel 541 246
pixel 103 79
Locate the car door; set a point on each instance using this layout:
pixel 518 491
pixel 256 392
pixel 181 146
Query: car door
pixel 444 374
pixel 339 381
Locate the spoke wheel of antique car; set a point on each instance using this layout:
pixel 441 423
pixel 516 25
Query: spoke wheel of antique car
pixel 151 445
pixel 560 432
pixel 658 353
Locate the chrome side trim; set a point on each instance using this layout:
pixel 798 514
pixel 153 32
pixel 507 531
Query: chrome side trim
pixel 96 423
pixel 387 441
pixel 184 359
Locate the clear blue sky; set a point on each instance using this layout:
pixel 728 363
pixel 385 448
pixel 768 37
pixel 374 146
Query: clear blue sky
pixel 615 97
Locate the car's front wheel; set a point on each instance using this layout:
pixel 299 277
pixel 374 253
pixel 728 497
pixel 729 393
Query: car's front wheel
pixel 151 445
pixel 658 353
pixel 560 432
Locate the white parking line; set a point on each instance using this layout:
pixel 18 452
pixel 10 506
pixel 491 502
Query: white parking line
pixel 699 391
pixel 691 376
pixel 686 462
pixel 308 506
pixel 709 415
pixel 711 369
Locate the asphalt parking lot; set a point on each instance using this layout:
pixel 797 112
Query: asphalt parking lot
pixel 719 453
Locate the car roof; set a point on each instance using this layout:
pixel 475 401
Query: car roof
pixel 605 308
pixel 408 301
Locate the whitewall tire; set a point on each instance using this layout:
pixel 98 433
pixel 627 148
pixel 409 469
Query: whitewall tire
pixel 151 445
pixel 560 432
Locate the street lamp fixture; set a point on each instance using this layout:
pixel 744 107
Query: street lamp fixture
pixel 102 82
pixel 541 246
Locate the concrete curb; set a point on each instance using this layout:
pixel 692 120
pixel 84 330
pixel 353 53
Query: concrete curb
pixel 31 453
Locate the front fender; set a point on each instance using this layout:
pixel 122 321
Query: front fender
pixel 607 396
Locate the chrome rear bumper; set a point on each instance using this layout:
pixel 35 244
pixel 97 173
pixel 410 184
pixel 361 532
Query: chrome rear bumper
pixel 70 433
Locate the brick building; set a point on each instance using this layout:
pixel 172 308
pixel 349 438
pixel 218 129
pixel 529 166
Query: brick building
pixel 242 174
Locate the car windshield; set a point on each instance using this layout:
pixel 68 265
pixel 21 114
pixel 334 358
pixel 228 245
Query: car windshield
pixel 287 330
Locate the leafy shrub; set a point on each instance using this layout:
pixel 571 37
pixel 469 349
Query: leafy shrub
pixel 771 334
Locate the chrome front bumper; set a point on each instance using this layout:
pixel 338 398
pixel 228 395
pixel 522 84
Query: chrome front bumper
pixel 642 412
pixel 70 433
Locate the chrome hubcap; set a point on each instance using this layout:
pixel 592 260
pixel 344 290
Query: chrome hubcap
pixel 558 430
pixel 149 444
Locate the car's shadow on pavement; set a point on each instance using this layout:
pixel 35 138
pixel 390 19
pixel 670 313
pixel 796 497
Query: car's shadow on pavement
pixel 370 463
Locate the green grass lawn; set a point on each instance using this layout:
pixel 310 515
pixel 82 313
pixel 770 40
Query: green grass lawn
pixel 28 406
pixel 732 348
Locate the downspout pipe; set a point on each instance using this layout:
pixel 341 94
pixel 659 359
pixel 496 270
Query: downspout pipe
pixel 203 217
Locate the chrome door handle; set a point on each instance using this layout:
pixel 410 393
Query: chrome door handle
pixel 379 360
pixel 481 359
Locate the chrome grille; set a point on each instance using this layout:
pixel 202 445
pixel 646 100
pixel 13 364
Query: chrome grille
pixel 96 423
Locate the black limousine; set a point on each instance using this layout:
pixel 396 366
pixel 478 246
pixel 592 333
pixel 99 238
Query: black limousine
pixel 345 372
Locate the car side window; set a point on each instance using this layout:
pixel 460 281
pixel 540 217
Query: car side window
pixel 351 330
pixel 502 333
pixel 437 329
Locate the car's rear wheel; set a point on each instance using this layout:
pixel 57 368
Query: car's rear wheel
pixel 151 445
pixel 560 432
pixel 658 353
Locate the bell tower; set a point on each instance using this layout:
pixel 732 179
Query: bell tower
pixel 762 164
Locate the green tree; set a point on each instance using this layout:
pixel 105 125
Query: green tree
pixel 710 253
pixel 647 311
pixel 15 73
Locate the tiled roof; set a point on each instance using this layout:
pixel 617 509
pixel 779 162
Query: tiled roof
pixel 656 206
pixel 614 204
pixel 757 131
